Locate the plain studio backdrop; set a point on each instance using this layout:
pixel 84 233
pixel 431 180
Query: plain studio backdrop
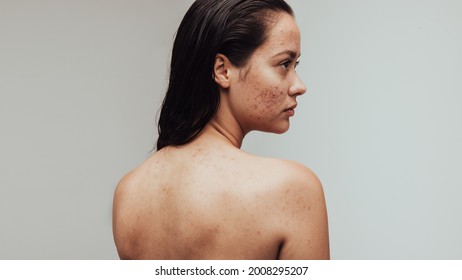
pixel 81 83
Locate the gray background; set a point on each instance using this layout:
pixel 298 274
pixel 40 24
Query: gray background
pixel 81 83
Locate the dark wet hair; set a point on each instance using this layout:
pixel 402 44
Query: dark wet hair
pixel 234 28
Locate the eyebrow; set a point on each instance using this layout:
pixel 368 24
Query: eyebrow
pixel 292 54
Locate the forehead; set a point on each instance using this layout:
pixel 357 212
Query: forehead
pixel 283 35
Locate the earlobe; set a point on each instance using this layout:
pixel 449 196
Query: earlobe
pixel 221 70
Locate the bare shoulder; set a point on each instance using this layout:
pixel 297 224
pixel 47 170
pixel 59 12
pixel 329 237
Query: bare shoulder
pixel 301 211
pixel 294 177
pixel 133 185
pixel 124 197
pixel 128 187
pixel 298 174
pixel 125 185
pixel 129 198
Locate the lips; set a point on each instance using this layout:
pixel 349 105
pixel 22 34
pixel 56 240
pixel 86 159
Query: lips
pixel 291 110
pixel 292 107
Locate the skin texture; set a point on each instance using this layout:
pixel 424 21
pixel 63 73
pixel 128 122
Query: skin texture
pixel 210 200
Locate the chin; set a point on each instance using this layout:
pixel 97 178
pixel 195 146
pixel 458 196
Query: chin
pixel 278 129
pixel 281 131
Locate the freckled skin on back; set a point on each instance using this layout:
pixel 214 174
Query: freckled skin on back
pixel 222 204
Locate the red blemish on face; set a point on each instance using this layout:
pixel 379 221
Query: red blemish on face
pixel 267 102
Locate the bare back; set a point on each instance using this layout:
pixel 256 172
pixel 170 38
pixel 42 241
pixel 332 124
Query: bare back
pixel 206 202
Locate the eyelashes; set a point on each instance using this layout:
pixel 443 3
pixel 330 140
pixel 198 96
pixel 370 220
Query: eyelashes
pixel 286 64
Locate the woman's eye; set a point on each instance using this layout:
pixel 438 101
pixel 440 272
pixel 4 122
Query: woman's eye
pixel 286 64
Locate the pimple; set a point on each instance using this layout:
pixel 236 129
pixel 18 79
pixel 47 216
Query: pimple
pixel 270 95
pixel 166 189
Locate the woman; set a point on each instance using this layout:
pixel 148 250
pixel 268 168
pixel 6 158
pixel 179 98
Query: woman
pixel 199 196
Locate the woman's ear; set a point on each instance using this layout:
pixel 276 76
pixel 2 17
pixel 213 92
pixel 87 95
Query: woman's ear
pixel 221 70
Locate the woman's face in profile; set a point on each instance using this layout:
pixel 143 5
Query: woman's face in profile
pixel 268 85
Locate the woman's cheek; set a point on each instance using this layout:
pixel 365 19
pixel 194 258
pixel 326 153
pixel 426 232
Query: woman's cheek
pixel 266 102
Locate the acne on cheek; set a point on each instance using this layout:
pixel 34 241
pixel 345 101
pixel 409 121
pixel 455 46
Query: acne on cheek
pixel 265 101
pixel 270 97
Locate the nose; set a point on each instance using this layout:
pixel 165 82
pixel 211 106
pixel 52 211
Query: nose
pixel 298 87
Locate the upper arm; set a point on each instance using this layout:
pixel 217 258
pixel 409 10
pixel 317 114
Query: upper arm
pixel 304 216
pixel 121 216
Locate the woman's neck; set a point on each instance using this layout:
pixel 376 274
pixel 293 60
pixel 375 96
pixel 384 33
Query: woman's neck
pixel 224 131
